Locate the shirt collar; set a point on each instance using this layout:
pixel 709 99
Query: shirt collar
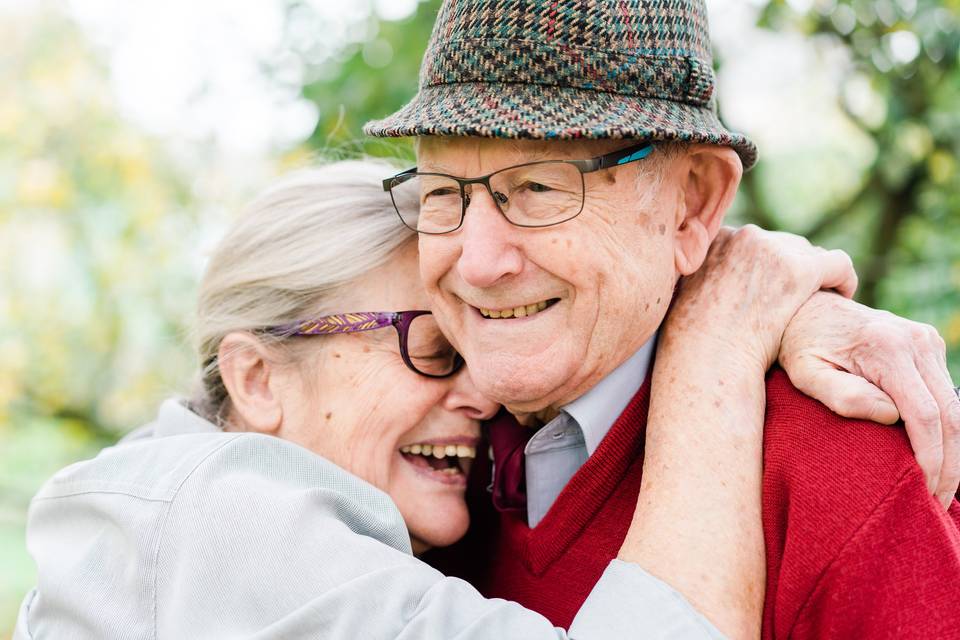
pixel 597 410
pixel 176 419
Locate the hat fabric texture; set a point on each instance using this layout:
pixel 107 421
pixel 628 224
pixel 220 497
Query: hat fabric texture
pixel 565 70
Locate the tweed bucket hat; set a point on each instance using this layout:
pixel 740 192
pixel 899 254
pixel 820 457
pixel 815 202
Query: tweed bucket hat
pixel 568 69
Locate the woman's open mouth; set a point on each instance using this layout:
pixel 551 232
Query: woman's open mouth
pixel 441 461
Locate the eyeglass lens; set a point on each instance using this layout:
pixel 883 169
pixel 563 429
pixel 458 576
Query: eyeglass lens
pixel 427 348
pixel 533 195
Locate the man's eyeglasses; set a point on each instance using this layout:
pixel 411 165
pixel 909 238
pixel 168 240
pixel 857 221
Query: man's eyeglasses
pixel 423 347
pixel 534 194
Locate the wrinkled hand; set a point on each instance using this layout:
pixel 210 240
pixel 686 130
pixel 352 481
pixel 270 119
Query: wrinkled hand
pixel 864 363
pixel 748 289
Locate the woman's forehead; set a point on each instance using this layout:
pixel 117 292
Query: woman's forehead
pixel 393 286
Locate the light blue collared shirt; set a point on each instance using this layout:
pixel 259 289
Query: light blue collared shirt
pixel 559 449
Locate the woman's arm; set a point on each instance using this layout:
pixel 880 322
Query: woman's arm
pixel 697 523
pixel 267 540
pixel 250 536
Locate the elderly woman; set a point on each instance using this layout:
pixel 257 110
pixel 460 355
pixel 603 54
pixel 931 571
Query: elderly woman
pixel 290 496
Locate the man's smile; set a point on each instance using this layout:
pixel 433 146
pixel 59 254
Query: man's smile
pixel 519 311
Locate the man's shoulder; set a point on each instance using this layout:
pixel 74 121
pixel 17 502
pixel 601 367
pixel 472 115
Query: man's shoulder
pixel 805 443
pixel 825 475
pixel 852 534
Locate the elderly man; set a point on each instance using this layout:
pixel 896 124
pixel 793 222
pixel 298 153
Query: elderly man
pixel 572 169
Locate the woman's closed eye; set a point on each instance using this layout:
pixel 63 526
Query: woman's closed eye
pixel 432 357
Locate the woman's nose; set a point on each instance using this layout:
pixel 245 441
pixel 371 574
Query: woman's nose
pixel 464 396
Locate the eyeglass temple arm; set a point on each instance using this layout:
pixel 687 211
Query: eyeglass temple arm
pixel 399 179
pixel 617 158
pixel 338 323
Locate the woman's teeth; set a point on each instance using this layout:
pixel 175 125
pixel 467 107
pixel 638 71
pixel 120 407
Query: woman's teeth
pixel 448 459
pixel 440 451
pixel 516 312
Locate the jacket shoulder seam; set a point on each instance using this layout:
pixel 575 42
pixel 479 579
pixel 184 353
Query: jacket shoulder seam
pixel 163 525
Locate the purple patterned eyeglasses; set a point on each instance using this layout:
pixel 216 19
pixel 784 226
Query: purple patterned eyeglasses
pixel 423 347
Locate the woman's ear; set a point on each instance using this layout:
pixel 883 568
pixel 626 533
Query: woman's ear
pixel 251 379
pixel 709 176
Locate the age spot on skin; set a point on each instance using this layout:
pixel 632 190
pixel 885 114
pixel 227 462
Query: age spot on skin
pixel 336 355
pixel 663 229
pixel 328 415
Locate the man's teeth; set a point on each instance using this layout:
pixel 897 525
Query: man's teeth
pixel 440 451
pixel 516 312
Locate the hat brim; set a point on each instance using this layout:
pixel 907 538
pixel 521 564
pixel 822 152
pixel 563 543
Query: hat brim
pixel 537 112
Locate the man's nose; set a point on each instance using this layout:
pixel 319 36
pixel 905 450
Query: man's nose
pixel 466 397
pixel 489 250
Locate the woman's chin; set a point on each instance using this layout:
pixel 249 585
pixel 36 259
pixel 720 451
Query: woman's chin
pixel 439 525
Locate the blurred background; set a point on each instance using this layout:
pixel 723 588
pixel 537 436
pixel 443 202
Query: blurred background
pixel 131 132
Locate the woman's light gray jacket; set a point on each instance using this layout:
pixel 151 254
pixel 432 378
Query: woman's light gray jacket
pixel 184 531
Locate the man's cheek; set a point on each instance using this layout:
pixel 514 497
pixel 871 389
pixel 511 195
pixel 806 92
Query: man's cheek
pixel 436 258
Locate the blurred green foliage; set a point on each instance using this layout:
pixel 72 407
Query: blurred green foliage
pixel 95 216
pixel 901 88
pixel 94 290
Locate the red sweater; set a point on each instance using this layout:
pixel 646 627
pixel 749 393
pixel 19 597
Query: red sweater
pixel 855 545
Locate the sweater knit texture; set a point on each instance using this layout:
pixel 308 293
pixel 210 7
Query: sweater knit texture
pixel 855 545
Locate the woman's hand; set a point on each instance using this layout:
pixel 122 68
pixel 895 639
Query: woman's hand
pixel 749 288
pixel 864 363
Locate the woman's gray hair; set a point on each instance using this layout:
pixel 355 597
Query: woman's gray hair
pixel 287 256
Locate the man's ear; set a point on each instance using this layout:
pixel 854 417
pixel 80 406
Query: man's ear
pixel 251 379
pixel 709 177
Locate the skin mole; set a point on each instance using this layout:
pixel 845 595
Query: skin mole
pixel 789 287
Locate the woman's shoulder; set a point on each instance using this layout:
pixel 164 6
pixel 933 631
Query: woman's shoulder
pixel 156 526
pixel 220 466
pixel 182 458
pixel 149 470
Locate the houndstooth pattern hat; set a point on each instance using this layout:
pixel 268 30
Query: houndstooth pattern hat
pixel 568 69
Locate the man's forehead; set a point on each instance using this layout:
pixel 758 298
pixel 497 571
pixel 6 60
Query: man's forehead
pixel 436 153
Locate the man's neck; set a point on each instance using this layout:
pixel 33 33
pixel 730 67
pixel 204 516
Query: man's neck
pixel 606 393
